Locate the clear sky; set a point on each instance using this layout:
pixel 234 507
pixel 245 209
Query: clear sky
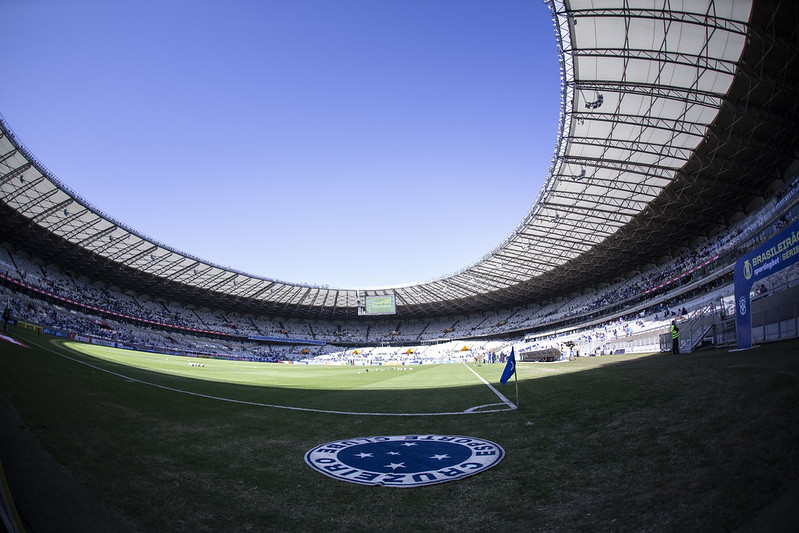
pixel 355 143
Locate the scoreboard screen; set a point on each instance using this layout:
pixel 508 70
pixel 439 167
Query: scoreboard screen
pixel 380 305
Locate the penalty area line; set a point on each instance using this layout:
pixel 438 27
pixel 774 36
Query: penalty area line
pixel 129 379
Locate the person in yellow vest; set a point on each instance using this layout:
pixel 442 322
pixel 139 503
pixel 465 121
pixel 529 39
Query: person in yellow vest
pixel 675 338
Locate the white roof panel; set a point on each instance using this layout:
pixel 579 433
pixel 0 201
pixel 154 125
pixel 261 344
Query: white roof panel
pixel 642 82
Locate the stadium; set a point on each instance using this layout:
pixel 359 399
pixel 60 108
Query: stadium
pixel 147 389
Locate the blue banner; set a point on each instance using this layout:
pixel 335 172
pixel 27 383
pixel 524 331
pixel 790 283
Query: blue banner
pixel 779 252
pixel 55 333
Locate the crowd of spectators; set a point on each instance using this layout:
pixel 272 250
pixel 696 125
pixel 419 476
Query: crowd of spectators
pixel 65 301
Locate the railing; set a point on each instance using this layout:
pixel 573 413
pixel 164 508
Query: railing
pixel 697 329
pixel 774 317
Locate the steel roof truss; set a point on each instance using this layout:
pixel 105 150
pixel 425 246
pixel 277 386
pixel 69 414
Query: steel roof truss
pixel 14 172
pixel 667 16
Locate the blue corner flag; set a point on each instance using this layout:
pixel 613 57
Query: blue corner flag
pixel 510 368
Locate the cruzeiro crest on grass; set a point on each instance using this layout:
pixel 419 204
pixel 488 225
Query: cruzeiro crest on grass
pixel 404 460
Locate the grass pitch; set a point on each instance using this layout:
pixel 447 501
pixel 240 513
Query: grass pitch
pixel 340 389
pixel 99 439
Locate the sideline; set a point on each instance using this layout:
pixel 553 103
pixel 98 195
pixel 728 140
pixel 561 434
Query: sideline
pixel 469 411
pixel 501 396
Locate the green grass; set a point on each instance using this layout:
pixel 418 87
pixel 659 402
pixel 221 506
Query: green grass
pixel 329 388
pixel 283 375
pixel 699 442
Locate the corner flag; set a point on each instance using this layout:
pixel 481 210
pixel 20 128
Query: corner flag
pixel 510 368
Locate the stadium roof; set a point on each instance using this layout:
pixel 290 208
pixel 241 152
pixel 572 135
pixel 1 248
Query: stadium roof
pixel 674 116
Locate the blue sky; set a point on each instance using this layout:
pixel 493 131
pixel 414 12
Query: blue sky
pixel 355 143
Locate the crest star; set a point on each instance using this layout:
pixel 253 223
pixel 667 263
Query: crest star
pixel 439 457
pixel 409 444
pixel 393 453
pixel 362 455
pixel 394 466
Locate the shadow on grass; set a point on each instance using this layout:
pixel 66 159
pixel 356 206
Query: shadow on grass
pixel 701 441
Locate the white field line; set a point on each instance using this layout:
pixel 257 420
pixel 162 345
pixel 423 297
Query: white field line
pixel 469 411
pixel 490 386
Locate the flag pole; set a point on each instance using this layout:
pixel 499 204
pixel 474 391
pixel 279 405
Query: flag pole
pixel 510 368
